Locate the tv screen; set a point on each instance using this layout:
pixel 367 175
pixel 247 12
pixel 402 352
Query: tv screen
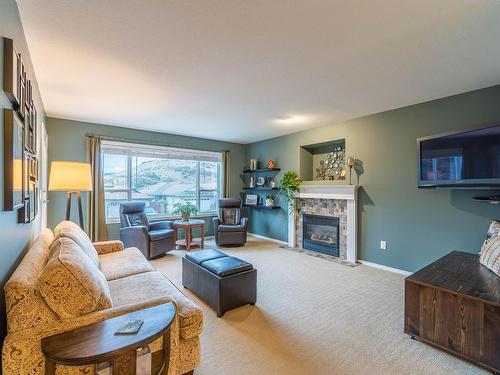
pixel 470 158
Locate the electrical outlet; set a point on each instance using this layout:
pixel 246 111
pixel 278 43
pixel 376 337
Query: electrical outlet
pixel 383 245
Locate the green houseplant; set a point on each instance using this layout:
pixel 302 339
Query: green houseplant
pixel 290 185
pixel 185 209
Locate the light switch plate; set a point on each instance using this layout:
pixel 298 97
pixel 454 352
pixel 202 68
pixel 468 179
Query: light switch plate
pixel 383 245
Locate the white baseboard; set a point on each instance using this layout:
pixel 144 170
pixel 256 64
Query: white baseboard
pixel 386 268
pixel 268 239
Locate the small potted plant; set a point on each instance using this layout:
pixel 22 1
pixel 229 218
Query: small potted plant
pixel 185 209
pixel 270 200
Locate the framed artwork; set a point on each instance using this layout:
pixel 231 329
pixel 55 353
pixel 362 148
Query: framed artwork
pixel 13 161
pixel 23 214
pixel 33 204
pixel 251 199
pixel 11 65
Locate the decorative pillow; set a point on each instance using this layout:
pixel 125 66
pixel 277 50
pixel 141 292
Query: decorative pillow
pixel 494 229
pixel 70 230
pixel 71 283
pixel 490 254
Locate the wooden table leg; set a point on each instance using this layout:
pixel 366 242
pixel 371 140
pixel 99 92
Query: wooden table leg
pixel 50 367
pixel 202 235
pixel 188 238
pixel 126 364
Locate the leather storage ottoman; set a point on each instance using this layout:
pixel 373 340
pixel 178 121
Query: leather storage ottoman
pixel 222 281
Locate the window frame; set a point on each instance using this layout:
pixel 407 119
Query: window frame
pixel 129 191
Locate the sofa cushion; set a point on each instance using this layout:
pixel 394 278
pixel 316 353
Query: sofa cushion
pixel 72 231
pixel 150 285
pixel 160 234
pixel 124 263
pixel 71 283
pixel 494 229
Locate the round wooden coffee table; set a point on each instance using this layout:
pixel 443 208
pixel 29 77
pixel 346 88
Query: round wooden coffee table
pixel 98 342
pixel 188 225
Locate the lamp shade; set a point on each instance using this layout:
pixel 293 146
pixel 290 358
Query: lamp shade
pixel 70 176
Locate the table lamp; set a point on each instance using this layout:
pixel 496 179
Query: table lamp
pixel 72 177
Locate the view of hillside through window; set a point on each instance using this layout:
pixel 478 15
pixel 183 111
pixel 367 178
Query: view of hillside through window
pixel 160 183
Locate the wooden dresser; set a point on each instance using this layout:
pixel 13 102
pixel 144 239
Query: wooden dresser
pixel 454 305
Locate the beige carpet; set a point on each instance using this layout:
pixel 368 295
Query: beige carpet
pixel 313 316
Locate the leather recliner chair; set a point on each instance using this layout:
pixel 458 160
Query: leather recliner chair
pixel 230 228
pixel 153 239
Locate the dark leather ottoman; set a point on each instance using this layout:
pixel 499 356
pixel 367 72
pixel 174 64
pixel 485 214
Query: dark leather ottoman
pixel 223 282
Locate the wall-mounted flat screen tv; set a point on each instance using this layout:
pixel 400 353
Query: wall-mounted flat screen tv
pixel 460 159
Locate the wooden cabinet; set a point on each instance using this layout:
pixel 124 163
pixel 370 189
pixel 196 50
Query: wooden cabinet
pixel 454 305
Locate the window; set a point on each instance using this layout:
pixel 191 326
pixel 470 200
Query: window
pixel 161 177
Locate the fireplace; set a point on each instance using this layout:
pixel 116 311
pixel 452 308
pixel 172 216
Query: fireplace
pixel 321 233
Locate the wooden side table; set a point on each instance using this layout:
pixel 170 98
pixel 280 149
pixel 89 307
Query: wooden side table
pixel 98 343
pixel 189 225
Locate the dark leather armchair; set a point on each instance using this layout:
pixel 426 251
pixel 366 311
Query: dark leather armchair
pixel 230 228
pixel 154 239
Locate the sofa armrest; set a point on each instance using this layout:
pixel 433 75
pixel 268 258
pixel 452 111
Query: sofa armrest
pixel 244 222
pixel 137 236
pixel 216 222
pixel 159 225
pixel 106 247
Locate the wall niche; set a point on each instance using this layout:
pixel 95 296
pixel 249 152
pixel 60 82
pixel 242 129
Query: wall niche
pixel 325 161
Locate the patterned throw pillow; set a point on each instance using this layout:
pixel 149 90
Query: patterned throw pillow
pixel 494 229
pixel 490 254
pixel 68 229
pixel 71 284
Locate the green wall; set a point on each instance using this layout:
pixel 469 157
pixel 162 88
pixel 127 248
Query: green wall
pixel 419 225
pixel 67 141
pixel 15 237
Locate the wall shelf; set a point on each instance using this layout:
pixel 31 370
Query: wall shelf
pixel 262 207
pixel 261 188
pixel 261 170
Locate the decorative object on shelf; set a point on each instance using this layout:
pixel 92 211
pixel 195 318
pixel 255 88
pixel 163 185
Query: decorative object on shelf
pixel 252 182
pixel 331 168
pixel 185 209
pixel 270 200
pixel 271 183
pixel 261 181
pixel 251 199
pixel 253 164
pixel 350 163
pixel 13 161
pixel 290 185
pixel 271 164
pixel 72 177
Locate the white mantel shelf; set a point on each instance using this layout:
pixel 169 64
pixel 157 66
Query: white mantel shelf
pixel 325 190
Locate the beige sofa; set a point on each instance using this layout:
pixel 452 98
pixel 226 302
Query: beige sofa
pixel 128 283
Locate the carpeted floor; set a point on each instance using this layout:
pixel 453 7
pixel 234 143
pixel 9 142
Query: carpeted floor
pixel 313 316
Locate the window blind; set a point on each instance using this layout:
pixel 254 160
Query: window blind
pixel 163 152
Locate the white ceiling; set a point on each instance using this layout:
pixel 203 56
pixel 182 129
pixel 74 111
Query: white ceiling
pixel 227 69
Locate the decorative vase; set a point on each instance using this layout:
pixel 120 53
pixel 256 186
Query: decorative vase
pixel 185 216
pixel 269 202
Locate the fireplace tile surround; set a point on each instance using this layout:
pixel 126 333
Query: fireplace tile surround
pixel 327 199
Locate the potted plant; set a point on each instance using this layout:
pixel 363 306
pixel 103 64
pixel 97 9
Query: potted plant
pixel 290 185
pixel 185 209
pixel 270 200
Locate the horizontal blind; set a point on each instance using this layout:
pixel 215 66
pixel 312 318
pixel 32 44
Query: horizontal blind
pixel 161 152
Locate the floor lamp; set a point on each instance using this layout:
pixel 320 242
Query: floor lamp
pixel 73 178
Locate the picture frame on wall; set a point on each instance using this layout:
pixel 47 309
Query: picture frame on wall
pixel 11 72
pixel 13 161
